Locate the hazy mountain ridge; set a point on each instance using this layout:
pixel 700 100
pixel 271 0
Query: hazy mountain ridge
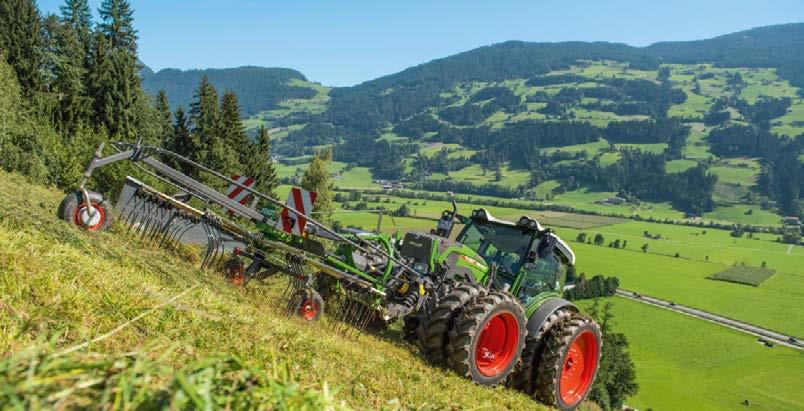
pixel 258 88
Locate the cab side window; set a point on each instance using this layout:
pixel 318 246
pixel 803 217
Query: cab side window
pixel 540 276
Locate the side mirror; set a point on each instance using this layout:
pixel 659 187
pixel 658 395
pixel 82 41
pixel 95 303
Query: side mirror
pixel 445 224
pixel 545 245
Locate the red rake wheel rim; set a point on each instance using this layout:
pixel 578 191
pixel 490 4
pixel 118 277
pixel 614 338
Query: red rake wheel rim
pixel 579 368
pixel 235 273
pixel 82 218
pixel 497 344
pixel 308 309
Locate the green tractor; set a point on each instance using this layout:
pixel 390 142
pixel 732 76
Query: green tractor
pixel 497 315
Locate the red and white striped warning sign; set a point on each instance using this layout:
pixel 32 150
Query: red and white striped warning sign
pixel 302 201
pixel 238 193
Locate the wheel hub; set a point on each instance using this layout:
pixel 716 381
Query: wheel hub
pixel 308 309
pixel 90 217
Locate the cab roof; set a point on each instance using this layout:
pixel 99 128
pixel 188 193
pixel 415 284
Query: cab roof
pixel 528 223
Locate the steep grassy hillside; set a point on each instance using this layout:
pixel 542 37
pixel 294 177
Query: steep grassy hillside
pixel 118 320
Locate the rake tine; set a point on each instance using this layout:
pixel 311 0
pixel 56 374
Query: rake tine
pixel 209 244
pixel 153 212
pixel 220 249
pixel 144 214
pixel 184 225
pixel 175 240
pixel 169 215
pixel 161 221
pixel 134 213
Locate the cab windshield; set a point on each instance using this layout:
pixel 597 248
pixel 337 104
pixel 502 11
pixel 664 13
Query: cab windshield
pixel 502 245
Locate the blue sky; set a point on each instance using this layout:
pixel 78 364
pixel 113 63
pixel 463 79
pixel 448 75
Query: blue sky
pixel 346 42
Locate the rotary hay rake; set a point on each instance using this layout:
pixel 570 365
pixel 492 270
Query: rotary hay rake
pixel 167 220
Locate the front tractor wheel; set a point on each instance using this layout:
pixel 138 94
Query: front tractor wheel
pixel 569 363
pixel 307 304
pixel 487 339
pixel 95 217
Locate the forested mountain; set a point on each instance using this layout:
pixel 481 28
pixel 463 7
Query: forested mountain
pixel 258 88
pixel 508 102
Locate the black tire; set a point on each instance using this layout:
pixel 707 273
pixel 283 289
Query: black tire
pixel 523 377
pixel 307 304
pixel 71 210
pixel 554 362
pixel 438 319
pixel 410 328
pixel 499 311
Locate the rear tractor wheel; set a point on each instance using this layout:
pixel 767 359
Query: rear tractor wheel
pixel 487 339
pixel 95 217
pixel 569 363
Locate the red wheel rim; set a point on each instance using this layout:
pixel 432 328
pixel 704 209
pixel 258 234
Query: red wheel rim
pixel 497 344
pixel 308 309
pixel 579 368
pixel 79 217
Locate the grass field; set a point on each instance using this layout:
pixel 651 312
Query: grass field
pixel 684 363
pixel 744 275
pixel 776 304
pixel 81 285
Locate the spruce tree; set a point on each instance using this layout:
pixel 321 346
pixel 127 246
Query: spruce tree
pixel 117 20
pixel 257 163
pixel 232 130
pixel 65 61
pixel 205 120
pixel 182 141
pixel 164 120
pixel 76 14
pixel 116 64
pixel 317 178
pixel 21 40
pixel 100 82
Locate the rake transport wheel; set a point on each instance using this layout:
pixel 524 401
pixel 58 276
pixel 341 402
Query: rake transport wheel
pixel 523 377
pixel 569 363
pixel 74 210
pixel 487 339
pixel 438 319
pixel 307 304
pixel 235 270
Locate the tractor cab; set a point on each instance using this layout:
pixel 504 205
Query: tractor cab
pixel 531 261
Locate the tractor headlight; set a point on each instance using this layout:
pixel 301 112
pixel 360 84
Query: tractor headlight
pixel 480 214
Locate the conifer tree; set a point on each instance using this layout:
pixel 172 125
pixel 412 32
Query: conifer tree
pixel 181 141
pixel 164 120
pixel 100 82
pixel 258 165
pixel 117 20
pixel 205 120
pixel 76 14
pixel 65 61
pixel 232 130
pixel 317 178
pixel 116 64
pixel 21 40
